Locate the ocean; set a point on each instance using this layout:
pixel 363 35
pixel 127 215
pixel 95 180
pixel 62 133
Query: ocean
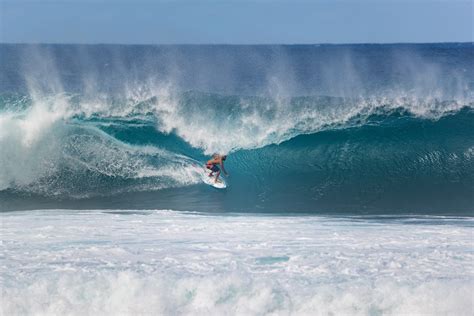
pixel 351 187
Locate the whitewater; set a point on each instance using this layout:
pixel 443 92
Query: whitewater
pixel 167 262
pixel 350 190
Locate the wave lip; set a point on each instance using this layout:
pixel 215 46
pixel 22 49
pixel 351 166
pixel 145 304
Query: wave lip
pixel 217 123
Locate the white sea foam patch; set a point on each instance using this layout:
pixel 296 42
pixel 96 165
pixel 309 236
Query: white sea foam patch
pixel 172 263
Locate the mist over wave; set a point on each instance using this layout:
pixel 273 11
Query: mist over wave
pixel 362 128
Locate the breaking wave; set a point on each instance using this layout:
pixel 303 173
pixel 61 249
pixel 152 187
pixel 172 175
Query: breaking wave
pixel 307 128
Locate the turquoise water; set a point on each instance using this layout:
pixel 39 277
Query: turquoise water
pixel 350 190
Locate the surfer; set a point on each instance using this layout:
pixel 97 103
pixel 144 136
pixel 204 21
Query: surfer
pixel 213 163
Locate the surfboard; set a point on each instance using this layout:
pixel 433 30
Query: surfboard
pixel 220 184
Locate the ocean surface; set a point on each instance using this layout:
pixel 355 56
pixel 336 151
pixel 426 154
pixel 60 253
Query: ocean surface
pixel 351 187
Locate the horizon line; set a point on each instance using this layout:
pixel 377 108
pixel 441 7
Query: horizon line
pixel 236 44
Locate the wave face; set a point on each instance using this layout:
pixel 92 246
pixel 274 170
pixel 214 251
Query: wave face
pixel 319 129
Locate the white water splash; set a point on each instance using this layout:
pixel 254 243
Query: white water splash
pixel 165 262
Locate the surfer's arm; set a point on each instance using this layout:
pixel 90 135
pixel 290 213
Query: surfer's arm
pixel 223 169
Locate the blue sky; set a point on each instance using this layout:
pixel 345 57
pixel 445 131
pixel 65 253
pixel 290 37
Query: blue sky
pixel 235 22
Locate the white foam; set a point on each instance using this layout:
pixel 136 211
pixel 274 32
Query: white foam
pixel 165 262
pixel 29 148
pixel 38 142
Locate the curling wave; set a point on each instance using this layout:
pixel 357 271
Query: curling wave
pixel 309 154
pixel 329 128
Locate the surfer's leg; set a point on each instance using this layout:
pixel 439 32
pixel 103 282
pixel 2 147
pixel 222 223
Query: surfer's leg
pixel 215 169
pixel 210 168
pixel 217 176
